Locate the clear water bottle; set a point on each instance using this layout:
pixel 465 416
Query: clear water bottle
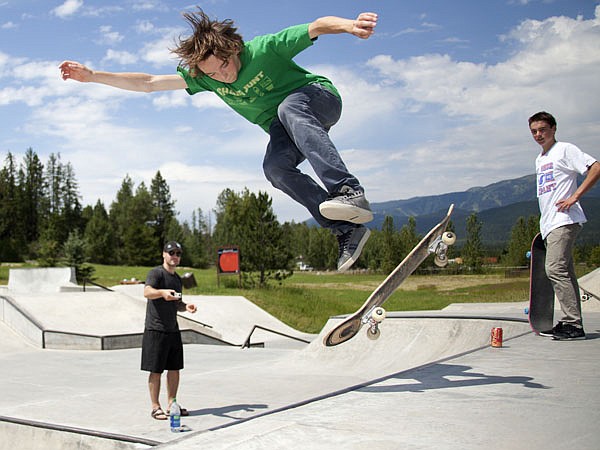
pixel 175 417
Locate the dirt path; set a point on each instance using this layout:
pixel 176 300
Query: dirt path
pixel 413 283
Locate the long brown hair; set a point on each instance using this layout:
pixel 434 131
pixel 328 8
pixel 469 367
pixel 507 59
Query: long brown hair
pixel 209 37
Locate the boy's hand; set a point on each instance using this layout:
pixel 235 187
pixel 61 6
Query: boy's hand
pixel 75 71
pixel 364 25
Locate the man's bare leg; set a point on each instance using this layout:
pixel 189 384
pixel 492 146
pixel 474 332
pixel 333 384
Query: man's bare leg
pixel 172 385
pixel 154 388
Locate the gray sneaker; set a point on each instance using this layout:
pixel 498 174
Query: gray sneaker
pixel 347 205
pixel 351 245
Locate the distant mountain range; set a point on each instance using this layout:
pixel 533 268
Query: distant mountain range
pixel 498 206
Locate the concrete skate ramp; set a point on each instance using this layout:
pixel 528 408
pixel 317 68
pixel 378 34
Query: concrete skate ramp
pixel 234 317
pixel 104 320
pixel 97 320
pixel 408 342
pixel 45 279
pixel 589 286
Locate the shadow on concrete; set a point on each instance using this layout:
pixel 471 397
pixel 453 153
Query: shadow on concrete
pixel 445 376
pixel 228 411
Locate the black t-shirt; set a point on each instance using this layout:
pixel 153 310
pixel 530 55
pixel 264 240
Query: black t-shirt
pixel 161 315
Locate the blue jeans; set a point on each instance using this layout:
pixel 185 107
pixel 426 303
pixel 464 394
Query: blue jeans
pixel 301 132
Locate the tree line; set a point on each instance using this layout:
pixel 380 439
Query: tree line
pixel 42 219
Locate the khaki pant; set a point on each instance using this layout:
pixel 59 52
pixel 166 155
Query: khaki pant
pixel 560 269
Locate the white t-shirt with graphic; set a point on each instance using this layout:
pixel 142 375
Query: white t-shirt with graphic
pixel 556 172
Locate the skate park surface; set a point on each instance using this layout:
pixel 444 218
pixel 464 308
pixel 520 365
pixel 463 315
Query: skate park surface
pixel 431 380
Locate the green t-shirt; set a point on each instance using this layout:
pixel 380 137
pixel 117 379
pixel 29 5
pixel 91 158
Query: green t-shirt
pixel 266 78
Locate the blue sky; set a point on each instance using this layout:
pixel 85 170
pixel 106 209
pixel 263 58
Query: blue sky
pixel 436 101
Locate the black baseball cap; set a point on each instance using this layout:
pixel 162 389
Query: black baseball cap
pixel 172 245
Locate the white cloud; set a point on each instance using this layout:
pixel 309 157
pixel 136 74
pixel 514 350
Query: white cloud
pixel 120 57
pixel 172 99
pixel 157 52
pixel 68 8
pixel 144 27
pixel 149 5
pixel 108 36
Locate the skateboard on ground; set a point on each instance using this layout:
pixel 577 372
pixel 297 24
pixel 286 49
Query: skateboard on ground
pixel 541 293
pixel 371 313
pixel 589 286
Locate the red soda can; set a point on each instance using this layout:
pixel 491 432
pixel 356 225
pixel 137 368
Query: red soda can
pixel 496 337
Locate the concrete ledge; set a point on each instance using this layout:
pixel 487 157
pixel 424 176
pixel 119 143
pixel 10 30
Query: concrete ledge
pixel 21 322
pixel 43 436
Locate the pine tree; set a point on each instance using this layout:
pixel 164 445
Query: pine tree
pixel 63 212
pixel 12 238
pixel 99 237
pixel 392 246
pixel 473 249
pixel 120 217
pixel 196 241
pixel 408 238
pixel 32 195
pixel 322 251
pixel 522 233
pixel 140 244
pixel 163 207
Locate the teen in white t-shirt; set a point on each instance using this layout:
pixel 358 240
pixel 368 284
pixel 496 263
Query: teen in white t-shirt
pixel 556 173
pixel 557 167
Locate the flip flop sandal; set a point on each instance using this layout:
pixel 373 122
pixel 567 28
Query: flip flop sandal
pixel 158 414
pixel 184 412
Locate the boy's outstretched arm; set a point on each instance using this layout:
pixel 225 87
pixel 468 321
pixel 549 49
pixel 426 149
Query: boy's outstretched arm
pixel 131 81
pixel 363 26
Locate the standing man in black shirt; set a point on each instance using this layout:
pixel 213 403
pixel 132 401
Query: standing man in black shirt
pixel 162 348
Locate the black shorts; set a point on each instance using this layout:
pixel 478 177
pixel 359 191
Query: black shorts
pixel 161 351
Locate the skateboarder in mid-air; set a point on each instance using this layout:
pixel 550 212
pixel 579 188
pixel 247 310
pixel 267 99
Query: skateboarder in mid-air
pixel 557 167
pixel 260 81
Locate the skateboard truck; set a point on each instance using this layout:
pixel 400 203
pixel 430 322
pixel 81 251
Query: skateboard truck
pixel 373 318
pixel 440 247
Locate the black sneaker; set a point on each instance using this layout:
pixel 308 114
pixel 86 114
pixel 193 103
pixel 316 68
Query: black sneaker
pixel 351 245
pixel 348 205
pixel 553 331
pixel 569 332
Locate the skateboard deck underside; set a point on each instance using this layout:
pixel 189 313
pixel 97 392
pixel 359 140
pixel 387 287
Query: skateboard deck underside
pixel 351 326
pixel 541 293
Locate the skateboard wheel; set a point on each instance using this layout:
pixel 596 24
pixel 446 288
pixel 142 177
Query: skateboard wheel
pixel 448 238
pixel 440 261
pixel 585 297
pixel 373 333
pixel 378 314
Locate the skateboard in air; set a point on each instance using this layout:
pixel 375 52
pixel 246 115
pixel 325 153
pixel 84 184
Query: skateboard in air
pixel 371 313
pixel 541 292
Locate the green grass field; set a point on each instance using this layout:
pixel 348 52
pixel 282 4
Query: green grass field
pixel 306 300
